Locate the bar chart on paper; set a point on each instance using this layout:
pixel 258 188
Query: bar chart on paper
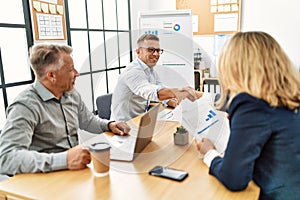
pixel 210 115
pixel 204 121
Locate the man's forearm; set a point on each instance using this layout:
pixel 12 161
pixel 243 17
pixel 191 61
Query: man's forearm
pixel 24 161
pixel 179 94
pixel 165 94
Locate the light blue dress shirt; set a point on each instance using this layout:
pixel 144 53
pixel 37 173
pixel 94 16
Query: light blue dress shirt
pixel 136 86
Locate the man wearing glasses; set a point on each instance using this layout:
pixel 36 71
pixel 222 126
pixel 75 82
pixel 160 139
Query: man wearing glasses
pixel 140 83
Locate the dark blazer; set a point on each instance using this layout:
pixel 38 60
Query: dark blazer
pixel 264 146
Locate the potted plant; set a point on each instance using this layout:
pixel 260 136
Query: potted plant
pixel 206 73
pixel 181 136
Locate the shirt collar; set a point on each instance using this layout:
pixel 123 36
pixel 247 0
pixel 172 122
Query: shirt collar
pixel 144 66
pixel 44 93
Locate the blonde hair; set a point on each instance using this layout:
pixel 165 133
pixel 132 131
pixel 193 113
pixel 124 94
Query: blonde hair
pixel 254 63
pixel 46 56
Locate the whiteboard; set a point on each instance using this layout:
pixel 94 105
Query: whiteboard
pixel 174 29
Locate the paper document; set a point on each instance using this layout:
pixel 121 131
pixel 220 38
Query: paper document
pixel 170 115
pixel 202 120
pixel 165 114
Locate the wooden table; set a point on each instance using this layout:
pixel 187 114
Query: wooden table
pixel 133 182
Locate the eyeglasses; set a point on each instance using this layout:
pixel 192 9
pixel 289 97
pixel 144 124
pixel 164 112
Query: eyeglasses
pixel 152 50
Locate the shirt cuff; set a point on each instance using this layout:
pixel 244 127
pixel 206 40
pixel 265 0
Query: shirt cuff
pixel 165 103
pixel 209 156
pixel 108 125
pixel 104 124
pixel 59 161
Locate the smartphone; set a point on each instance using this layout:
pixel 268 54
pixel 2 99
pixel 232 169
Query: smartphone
pixel 170 173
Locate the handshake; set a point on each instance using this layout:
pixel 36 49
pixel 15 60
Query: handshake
pixel 182 93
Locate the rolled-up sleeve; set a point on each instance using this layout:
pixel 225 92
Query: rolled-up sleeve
pixel 139 84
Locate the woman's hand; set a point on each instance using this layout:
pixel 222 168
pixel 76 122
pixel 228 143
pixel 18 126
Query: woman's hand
pixel 204 145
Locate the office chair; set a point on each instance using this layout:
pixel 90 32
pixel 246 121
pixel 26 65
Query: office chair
pixel 103 103
pixel 212 86
pixel 197 76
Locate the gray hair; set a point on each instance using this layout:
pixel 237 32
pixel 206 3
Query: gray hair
pixel 43 56
pixel 144 37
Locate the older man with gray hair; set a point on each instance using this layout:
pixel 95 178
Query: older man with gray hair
pixel 40 134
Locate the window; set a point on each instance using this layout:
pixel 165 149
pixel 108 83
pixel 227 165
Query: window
pixel 98 31
pixel 100 36
pixel 15 39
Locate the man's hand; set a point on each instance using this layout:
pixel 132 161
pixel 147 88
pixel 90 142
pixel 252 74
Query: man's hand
pixel 198 94
pixel 172 103
pixel 179 94
pixel 77 158
pixel 183 93
pixel 119 128
pixel 190 93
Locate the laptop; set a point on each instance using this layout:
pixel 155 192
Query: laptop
pixel 125 148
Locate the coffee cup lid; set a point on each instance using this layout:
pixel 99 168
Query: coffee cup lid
pixel 99 146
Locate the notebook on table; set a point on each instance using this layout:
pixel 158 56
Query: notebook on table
pixel 125 148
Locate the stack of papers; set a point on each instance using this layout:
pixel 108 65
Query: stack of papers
pixel 202 120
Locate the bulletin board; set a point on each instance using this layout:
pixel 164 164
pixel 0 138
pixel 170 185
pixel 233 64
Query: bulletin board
pixel 213 16
pixel 48 19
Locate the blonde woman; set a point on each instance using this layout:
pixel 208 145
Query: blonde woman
pixel 263 107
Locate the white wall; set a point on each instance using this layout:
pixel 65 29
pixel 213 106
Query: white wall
pixel 163 5
pixel 135 7
pixel 279 18
pixel 144 5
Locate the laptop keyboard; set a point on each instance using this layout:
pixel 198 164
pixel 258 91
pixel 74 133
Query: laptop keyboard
pixel 124 143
